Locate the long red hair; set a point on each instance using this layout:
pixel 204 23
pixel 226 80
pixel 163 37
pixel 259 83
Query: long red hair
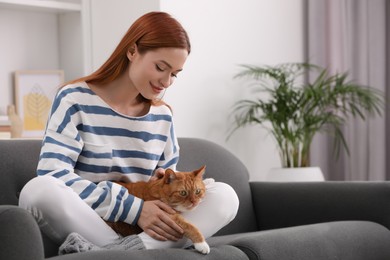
pixel 151 31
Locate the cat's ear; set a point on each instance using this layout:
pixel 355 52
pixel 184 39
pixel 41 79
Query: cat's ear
pixel 199 172
pixel 169 176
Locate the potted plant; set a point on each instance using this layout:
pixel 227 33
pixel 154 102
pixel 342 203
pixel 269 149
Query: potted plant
pixel 296 108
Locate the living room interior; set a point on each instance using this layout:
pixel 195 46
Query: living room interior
pixel 76 36
pixel 77 40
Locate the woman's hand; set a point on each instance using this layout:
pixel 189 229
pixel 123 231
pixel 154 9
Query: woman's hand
pixel 156 222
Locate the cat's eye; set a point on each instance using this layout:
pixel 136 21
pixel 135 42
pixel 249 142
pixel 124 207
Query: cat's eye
pixel 183 193
pixel 197 191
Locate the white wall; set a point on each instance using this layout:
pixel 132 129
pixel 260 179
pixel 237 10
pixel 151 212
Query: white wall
pixel 29 41
pixel 70 45
pixel 225 33
pixel 110 21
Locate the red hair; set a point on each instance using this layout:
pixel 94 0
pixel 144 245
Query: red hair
pixel 151 31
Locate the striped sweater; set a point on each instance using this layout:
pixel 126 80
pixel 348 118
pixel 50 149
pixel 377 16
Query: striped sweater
pixel 88 145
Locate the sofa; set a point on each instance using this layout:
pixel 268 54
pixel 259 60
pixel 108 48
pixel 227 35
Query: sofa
pixel 275 221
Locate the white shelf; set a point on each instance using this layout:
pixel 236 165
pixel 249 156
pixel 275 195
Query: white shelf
pixel 41 5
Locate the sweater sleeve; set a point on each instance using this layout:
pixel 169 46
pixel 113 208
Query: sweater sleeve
pixel 170 156
pixel 61 148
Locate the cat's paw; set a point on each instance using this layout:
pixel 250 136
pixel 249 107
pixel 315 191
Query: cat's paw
pixel 202 247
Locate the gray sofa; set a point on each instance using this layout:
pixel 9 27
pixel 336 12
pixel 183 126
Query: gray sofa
pixel 276 221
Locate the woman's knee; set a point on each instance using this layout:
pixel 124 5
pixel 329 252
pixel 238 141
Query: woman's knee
pixel 40 191
pixel 225 200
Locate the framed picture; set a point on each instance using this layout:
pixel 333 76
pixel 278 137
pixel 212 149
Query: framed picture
pixel 34 94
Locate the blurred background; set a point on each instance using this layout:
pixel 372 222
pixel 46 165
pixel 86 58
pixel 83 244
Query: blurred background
pixel 77 36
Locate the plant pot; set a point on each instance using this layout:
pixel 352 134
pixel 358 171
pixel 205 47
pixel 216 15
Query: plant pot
pixel 299 174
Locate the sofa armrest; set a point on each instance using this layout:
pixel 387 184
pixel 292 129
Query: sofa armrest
pixel 279 205
pixel 20 237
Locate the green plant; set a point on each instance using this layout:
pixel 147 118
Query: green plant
pixel 297 109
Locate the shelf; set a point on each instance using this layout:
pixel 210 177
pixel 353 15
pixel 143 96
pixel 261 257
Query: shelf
pixel 41 5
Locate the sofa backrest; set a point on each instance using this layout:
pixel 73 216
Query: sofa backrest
pixel 223 166
pixel 18 164
pixel 19 159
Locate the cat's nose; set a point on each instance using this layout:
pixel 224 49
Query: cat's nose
pixel 193 205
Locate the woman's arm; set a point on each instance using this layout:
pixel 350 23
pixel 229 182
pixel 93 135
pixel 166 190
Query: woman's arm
pixel 170 156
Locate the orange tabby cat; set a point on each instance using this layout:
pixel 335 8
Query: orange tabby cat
pixel 182 191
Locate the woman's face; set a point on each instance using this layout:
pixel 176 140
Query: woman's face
pixel 154 71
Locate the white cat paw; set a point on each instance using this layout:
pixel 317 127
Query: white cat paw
pixel 202 247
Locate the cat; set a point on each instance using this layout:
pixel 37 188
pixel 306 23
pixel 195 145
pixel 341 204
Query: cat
pixel 183 191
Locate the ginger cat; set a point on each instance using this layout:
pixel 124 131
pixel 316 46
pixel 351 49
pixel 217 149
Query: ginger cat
pixel 183 191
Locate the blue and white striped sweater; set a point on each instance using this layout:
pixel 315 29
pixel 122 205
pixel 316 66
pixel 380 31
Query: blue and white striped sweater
pixel 87 145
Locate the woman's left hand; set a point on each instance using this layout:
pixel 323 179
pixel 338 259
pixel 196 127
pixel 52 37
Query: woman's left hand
pixel 156 222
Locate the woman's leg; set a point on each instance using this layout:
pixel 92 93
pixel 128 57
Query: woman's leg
pixel 60 211
pixel 218 208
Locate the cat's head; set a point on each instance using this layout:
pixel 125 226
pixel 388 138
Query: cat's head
pixel 183 190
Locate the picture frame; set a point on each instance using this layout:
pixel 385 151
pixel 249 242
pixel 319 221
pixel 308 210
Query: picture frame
pixel 34 93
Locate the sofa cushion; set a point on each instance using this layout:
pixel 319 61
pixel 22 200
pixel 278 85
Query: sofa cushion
pixel 346 240
pixel 223 166
pixel 225 252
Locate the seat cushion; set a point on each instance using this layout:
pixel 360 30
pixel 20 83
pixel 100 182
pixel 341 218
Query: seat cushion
pixel 225 252
pixel 346 240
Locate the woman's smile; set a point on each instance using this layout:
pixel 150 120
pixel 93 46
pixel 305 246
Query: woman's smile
pixel 157 89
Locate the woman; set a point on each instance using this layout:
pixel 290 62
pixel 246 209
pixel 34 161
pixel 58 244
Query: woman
pixel 110 126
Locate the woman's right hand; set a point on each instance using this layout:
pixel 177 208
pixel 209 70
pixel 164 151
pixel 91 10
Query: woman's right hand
pixel 156 222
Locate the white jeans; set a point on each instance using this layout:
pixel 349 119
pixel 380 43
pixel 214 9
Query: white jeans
pixel 60 211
